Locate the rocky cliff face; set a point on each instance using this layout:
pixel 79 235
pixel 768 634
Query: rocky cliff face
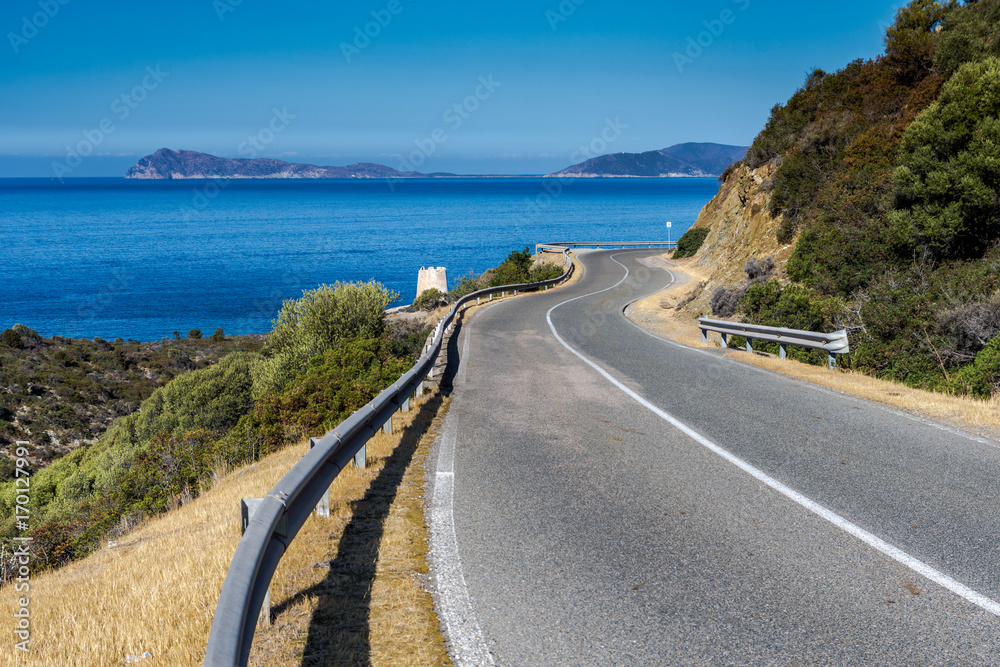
pixel 740 228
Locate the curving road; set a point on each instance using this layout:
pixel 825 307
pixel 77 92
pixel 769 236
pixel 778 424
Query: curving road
pixel 603 497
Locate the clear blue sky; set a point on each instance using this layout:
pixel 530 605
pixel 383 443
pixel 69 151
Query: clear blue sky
pixel 564 67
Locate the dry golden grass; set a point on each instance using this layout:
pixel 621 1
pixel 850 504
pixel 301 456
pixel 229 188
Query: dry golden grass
pixel 157 590
pixel 656 313
pixel 981 416
pixel 351 589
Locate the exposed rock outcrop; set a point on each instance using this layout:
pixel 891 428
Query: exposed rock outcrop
pixel 740 228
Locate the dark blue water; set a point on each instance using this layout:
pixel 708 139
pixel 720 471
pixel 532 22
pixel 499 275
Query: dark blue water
pixel 142 259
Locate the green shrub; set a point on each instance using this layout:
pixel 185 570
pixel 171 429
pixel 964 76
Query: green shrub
pixel 211 399
pixel 194 334
pixel 540 272
pixel 12 339
pixel 320 321
pixel 981 378
pixel 335 385
pixel 792 307
pixel 971 33
pixel 218 336
pixel 430 299
pixel 514 270
pixel 465 286
pixel 690 242
pixel 947 184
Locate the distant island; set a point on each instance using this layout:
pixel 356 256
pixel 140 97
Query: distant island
pixel 169 164
pixel 690 160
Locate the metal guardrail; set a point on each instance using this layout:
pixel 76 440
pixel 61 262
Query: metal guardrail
pixel 832 343
pixel 279 516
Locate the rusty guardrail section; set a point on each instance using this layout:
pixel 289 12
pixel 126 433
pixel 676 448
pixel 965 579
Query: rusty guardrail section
pixel 277 518
pixel 832 343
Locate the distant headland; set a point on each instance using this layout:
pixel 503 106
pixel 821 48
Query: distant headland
pixel 169 164
pixel 681 160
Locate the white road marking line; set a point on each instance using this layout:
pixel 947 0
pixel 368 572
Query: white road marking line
pixel 900 556
pixel 814 387
pixel 463 361
pixel 468 646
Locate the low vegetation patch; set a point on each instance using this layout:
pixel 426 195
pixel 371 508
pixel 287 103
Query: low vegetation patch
pixel 60 393
pixel 690 242
pixel 517 269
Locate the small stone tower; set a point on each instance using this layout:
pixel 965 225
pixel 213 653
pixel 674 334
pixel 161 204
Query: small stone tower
pixel 434 277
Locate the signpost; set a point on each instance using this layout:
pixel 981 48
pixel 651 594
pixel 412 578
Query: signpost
pixel 668 231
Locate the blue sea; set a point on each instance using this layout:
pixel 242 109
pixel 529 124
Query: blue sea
pixel 142 259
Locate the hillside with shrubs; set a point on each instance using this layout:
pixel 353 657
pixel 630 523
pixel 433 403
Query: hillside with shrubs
pixel 879 189
pixel 60 393
pixel 221 404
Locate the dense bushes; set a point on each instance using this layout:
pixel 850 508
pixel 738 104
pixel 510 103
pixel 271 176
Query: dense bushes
pixel 430 299
pixel 517 269
pixel 947 184
pixel 318 322
pixel 981 378
pixel 969 35
pixel 73 389
pixel 211 400
pixel 725 301
pixel 690 242
pixel 887 180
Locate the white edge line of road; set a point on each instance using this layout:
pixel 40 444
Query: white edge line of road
pixel 833 392
pixel 468 645
pixel 900 556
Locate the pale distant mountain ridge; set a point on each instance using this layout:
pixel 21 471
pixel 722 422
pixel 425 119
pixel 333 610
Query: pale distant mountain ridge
pixel 170 164
pixel 688 159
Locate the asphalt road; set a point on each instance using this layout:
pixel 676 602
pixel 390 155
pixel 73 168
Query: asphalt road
pixel 674 507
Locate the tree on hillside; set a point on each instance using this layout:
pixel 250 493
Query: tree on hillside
pixel 910 42
pixel 971 33
pixel 947 183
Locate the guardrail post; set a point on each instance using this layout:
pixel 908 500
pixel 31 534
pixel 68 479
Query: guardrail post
pixel 248 507
pixel 725 340
pixel 406 405
pixel 831 361
pixel 361 458
pixel 749 345
pixel 387 426
pixel 704 336
pixel 323 506
pixel 420 388
pixel 782 351
pixel 478 300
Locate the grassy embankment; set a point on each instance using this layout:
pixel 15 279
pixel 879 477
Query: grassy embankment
pixel 658 314
pixel 349 590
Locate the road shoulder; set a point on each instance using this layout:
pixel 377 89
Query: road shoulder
pixel 661 314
